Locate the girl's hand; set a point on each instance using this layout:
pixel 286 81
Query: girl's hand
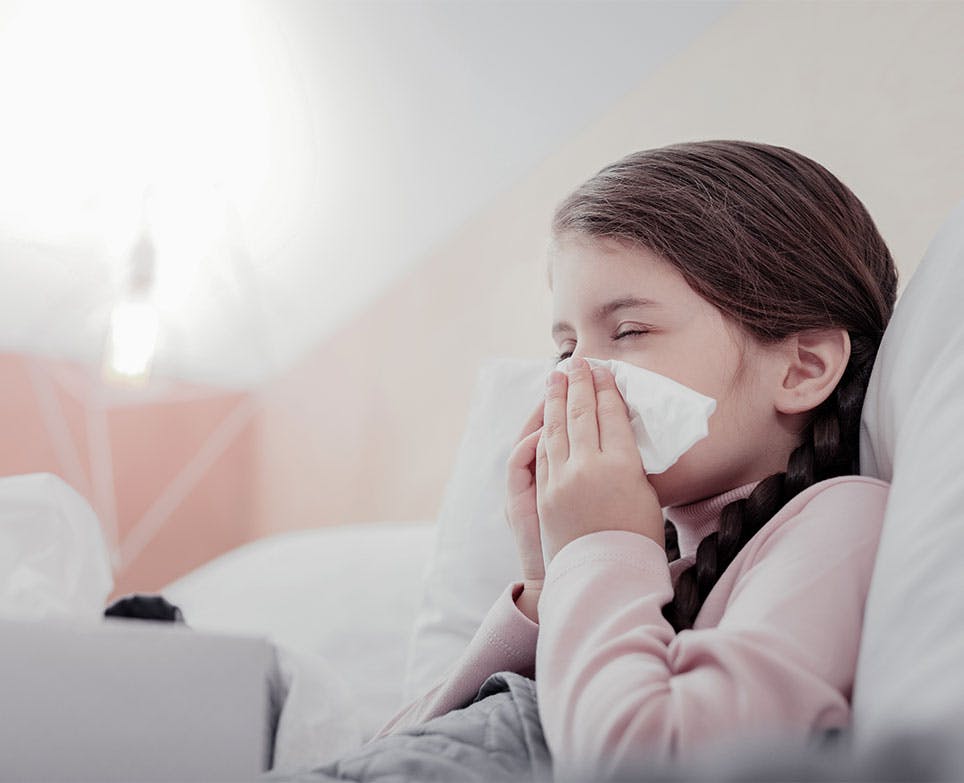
pixel 520 507
pixel 589 475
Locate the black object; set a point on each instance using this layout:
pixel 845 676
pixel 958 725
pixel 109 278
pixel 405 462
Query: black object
pixel 145 607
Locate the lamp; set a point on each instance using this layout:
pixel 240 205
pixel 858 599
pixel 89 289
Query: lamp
pixel 132 334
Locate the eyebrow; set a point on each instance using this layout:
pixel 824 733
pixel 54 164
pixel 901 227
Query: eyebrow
pixel 607 309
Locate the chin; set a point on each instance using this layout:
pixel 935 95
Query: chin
pixel 666 488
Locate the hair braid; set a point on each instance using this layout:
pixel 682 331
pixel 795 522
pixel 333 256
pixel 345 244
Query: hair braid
pixel 672 541
pixel 829 448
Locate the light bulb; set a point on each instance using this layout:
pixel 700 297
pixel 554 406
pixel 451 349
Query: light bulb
pixel 132 340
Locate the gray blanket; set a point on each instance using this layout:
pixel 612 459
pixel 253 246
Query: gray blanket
pixel 498 737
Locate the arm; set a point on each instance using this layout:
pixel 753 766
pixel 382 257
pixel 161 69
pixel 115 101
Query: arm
pixel 617 684
pixel 505 641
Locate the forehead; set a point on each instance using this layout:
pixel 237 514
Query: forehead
pixel 593 280
pixel 590 277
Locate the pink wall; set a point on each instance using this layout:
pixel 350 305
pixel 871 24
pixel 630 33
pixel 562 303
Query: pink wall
pixel 367 425
pixel 126 457
pixel 26 448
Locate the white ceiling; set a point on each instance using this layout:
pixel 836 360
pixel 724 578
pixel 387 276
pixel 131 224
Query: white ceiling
pixel 300 154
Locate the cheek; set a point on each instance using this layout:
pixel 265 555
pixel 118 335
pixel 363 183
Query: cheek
pixel 702 367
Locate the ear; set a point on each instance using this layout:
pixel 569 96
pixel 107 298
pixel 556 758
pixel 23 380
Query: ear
pixel 813 363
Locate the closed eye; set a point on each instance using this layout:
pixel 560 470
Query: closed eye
pixel 566 354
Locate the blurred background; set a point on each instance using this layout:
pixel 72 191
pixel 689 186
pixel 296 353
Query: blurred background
pixel 252 253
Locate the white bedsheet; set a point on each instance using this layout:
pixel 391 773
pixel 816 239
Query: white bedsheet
pixel 343 598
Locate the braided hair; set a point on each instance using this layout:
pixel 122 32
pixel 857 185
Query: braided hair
pixel 780 246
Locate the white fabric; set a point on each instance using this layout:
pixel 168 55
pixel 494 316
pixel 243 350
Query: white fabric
pixel 667 417
pixel 339 602
pixel 912 434
pixel 53 558
pixel 319 720
pixel 474 556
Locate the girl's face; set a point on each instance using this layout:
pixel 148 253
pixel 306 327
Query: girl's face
pixel 673 331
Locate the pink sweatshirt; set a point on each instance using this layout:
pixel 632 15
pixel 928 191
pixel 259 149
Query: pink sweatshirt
pixel 774 646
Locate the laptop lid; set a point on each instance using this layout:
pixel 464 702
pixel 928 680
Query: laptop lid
pixel 130 700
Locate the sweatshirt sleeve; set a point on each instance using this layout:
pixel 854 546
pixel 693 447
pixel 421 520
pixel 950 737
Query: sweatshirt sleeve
pixel 616 684
pixel 505 641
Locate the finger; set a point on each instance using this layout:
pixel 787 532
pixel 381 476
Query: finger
pixel 520 470
pixel 581 408
pixel 521 466
pixel 554 429
pixel 542 464
pixel 615 429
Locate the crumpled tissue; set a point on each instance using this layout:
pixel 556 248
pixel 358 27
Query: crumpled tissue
pixel 667 417
pixel 53 558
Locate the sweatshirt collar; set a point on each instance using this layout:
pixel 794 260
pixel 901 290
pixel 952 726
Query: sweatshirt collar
pixel 695 521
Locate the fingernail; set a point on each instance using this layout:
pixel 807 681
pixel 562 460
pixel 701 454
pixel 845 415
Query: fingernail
pixel 553 378
pixel 599 373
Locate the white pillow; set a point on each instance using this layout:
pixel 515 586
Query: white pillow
pixel 474 557
pixel 912 434
pixel 344 594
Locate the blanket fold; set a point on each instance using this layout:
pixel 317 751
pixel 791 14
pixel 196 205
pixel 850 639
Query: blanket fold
pixel 498 737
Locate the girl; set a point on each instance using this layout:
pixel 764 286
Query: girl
pixel 752 275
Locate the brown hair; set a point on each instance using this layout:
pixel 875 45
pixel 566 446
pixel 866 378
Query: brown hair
pixel 780 246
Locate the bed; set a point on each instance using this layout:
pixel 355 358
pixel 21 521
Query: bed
pixel 367 616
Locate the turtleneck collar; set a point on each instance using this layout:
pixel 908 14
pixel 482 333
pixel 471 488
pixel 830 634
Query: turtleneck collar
pixel 695 521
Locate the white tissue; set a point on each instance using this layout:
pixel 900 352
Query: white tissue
pixel 667 417
pixel 53 558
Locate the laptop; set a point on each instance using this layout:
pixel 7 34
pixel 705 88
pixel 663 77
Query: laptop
pixel 131 700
